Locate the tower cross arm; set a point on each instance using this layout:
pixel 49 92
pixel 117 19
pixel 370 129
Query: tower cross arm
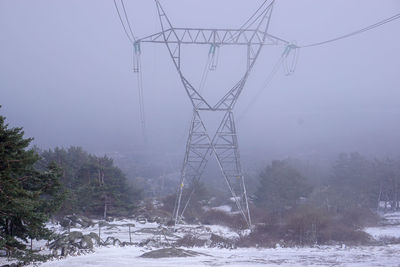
pixel 217 37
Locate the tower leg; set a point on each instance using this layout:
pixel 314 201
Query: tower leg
pixel 226 150
pixel 198 148
pixel 224 146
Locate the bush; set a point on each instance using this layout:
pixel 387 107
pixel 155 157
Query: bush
pixel 339 232
pixel 305 223
pixel 190 241
pixel 262 236
pixel 308 225
pixel 359 217
pixel 234 221
pixel 214 241
pixel 194 209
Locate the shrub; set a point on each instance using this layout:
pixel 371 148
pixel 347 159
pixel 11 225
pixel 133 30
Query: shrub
pixel 234 221
pixel 306 225
pixel 190 241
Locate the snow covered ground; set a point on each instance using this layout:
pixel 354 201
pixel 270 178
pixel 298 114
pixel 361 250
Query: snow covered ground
pixel 387 255
pixel 323 256
pixel 391 227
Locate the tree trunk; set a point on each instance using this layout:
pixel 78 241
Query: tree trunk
pixel 379 197
pixel 105 208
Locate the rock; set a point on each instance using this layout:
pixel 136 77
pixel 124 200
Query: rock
pixel 86 222
pixel 76 221
pixel 12 265
pixel 170 253
pixel 141 219
pixel 74 243
pixel 221 242
pixel 170 223
pixel 73 236
pixel 58 243
pixel 3 253
pixel 112 241
pixel 95 237
pixel 86 242
pixel 74 218
pixel 65 222
pixel 149 243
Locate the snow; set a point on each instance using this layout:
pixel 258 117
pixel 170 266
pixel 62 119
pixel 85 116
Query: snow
pixel 223 208
pixel 118 229
pixel 332 255
pixel 384 231
pixel 385 255
pixel 390 229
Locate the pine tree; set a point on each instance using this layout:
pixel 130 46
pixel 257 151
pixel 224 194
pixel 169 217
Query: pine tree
pixel 95 186
pixel 27 196
pixel 281 187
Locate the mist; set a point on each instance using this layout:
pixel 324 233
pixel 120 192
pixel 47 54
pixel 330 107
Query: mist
pixel 66 77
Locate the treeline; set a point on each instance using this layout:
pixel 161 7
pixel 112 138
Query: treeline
pixel 352 182
pixel 37 185
pixel 300 203
pixel 292 207
pixel 93 185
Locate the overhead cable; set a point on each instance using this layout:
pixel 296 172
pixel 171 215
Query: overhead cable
pixel 378 24
pixel 250 21
pixel 266 84
pixel 137 62
pixel 127 20
pixel 123 24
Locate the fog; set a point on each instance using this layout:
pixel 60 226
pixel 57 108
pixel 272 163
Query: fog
pixel 66 77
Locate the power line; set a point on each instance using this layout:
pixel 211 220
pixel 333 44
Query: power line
pixel 254 14
pixel 127 20
pixel 290 68
pixel 122 23
pixel 266 84
pixel 250 23
pixel 132 39
pixel 378 24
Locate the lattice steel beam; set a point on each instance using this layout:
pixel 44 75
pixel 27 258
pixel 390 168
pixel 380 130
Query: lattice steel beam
pixel 220 37
pixel 223 144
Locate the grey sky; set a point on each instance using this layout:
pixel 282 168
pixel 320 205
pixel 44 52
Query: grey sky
pixel 65 76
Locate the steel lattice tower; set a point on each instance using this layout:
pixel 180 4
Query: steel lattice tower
pixel 223 144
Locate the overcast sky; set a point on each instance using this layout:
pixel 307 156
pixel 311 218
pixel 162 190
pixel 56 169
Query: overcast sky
pixel 66 76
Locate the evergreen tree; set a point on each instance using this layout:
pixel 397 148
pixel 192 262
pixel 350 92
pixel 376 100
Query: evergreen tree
pixel 281 187
pixel 27 196
pixel 353 182
pixel 94 185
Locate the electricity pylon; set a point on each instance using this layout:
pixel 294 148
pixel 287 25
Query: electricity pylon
pixel 223 144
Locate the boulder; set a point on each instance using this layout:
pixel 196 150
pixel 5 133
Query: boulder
pixel 73 243
pixel 76 221
pixel 74 236
pixel 170 253
pixel 95 237
pixel 65 222
pixel 141 219
pixel 86 222
pixel 86 242
pixel 12 265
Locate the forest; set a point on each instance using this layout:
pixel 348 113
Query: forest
pixel 290 201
